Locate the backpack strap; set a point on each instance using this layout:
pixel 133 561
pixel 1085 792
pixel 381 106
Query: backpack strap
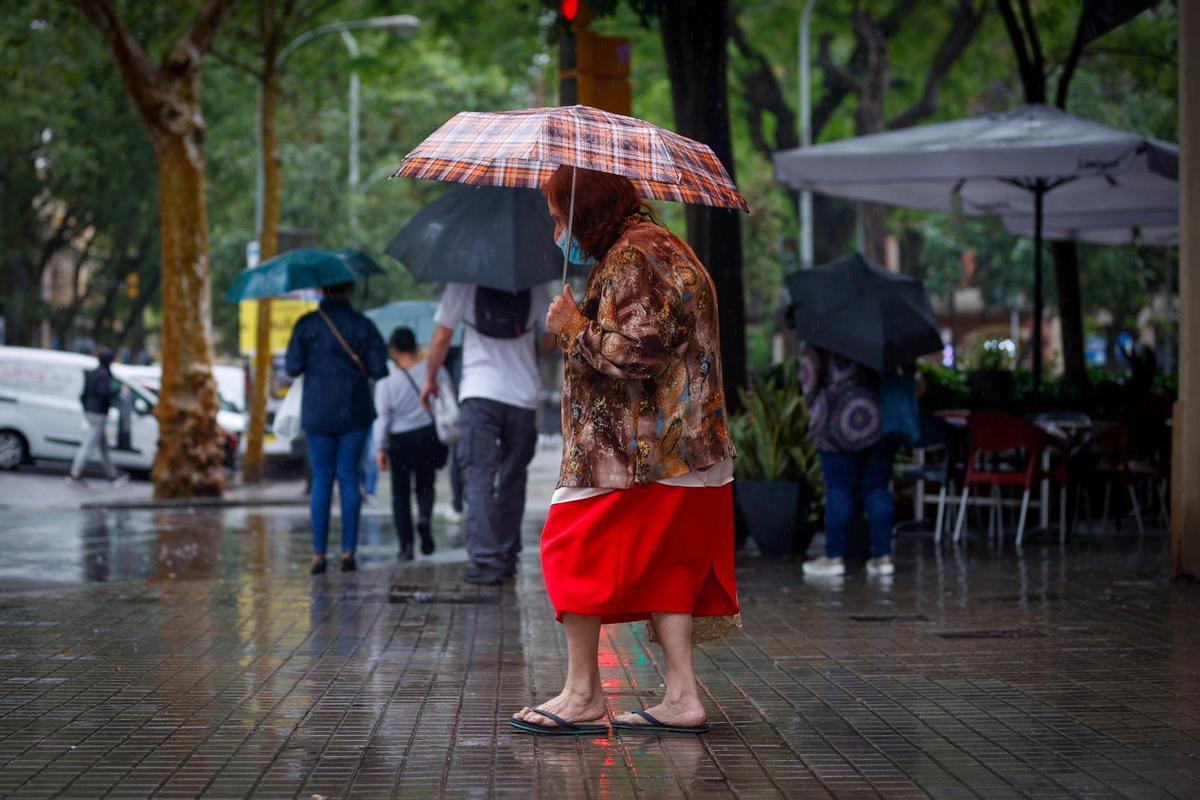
pixel 413 384
pixel 358 362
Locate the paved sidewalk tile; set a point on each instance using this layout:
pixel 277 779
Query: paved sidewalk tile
pixel 970 673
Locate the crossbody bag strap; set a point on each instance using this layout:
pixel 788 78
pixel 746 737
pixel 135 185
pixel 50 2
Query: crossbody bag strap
pixel 342 341
pixel 413 384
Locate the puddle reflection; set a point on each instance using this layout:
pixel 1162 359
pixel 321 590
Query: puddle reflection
pixel 161 546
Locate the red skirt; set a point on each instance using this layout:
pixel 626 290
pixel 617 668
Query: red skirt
pixel 651 549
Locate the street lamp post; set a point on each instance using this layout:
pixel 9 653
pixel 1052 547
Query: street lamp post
pixel 268 200
pixel 403 24
pixel 805 121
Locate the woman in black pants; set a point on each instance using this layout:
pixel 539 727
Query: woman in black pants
pixel 406 440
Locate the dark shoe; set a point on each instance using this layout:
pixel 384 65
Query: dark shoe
pixel 406 551
pixel 480 577
pixel 318 567
pixel 349 565
pixel 510 571
pixel 426 532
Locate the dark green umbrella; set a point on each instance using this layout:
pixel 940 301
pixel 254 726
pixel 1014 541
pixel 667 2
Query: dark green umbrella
pixel 302 269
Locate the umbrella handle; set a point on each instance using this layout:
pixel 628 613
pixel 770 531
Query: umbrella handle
pixel 570 223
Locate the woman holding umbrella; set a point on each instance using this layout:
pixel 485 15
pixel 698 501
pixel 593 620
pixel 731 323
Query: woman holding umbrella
pixel 642 522
pixel 641 525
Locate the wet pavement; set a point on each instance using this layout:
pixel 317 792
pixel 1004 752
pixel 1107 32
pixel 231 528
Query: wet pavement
pixel 185 654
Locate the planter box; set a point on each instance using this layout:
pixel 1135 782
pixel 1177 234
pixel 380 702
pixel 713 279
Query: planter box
pixel 774 514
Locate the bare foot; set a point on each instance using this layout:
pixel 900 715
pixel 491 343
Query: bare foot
pixel 679 713
pixel 580 708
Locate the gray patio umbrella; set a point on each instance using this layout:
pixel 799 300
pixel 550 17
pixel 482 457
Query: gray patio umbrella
pixel 1035 161
pixel 1149 228
pixel 490 236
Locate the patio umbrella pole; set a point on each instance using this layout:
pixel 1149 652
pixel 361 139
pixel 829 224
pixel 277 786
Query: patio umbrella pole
pixel 570 223
pixel 1039 193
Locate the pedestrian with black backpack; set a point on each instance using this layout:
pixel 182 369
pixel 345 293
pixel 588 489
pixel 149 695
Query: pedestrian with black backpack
pixel 498 396
pixel 97 398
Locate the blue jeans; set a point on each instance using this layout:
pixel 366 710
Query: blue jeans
pixel 853 477
pixel 370 467
pixel 339 456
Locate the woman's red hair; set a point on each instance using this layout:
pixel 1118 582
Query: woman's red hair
pixel 603 202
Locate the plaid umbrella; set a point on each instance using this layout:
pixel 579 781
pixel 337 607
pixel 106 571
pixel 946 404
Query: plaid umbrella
pixel 523 148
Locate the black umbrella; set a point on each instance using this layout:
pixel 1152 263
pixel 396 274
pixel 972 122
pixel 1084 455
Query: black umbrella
pixel 859 310
pixel 483 235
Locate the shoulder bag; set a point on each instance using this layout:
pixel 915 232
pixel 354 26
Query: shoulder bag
pixel 442 453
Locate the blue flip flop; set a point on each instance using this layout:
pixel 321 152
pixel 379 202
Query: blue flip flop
pixel 560 728
pixel 654 726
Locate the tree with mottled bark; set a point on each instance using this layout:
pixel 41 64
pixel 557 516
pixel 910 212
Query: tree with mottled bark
pixel 166 96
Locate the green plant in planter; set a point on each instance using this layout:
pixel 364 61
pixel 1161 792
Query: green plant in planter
pixel 771 436
pixel 991 355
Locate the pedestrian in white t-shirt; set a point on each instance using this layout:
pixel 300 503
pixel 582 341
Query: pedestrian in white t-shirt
pixel 498 395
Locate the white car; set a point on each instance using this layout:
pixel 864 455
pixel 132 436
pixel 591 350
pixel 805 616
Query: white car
pixel 41 415
pixel 230 419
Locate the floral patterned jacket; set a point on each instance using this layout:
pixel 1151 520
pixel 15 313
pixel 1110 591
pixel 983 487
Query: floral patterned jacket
pixel 642 397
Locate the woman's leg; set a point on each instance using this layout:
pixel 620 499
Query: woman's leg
pixel 321 454
pixel 582 697
pixel 401 497
pixel 425 476
pixel 841 486
pixel 682 705
pixel 426 473
pixel 349 459
pixel 877 495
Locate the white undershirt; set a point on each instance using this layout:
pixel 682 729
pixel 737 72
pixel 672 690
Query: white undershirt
pixel 718 474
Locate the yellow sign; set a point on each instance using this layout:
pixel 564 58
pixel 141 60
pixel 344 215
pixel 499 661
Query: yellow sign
pixel 284 313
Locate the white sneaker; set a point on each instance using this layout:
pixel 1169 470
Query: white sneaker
pixel 77 482
pixel 824 566
pixel 120 480
pixel 452 515
pixel 881 566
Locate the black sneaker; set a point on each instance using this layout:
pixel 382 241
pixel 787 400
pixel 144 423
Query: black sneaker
pixel 483 578
pixel 318 567
pixel 406 551
pixel 349 565
pixel 426 532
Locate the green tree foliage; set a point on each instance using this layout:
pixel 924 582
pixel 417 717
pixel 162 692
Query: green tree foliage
pixel 501 55
pixel 77 184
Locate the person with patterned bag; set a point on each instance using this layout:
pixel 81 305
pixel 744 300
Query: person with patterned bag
pixel 845 422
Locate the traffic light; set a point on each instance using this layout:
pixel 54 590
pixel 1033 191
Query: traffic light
pixel 132 285
pixel 593 69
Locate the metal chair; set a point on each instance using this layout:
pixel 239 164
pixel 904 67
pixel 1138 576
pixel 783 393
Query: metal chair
pixel 1007 451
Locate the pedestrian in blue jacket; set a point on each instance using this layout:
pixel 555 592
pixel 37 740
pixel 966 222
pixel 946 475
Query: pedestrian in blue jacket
pixel 339 352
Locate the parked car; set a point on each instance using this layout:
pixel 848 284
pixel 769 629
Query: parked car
pixel 230 420
pixel 41 416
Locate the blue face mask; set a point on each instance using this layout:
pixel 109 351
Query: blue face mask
pixel 572 250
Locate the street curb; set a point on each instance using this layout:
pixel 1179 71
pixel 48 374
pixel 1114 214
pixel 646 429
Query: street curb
pixel 196 502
